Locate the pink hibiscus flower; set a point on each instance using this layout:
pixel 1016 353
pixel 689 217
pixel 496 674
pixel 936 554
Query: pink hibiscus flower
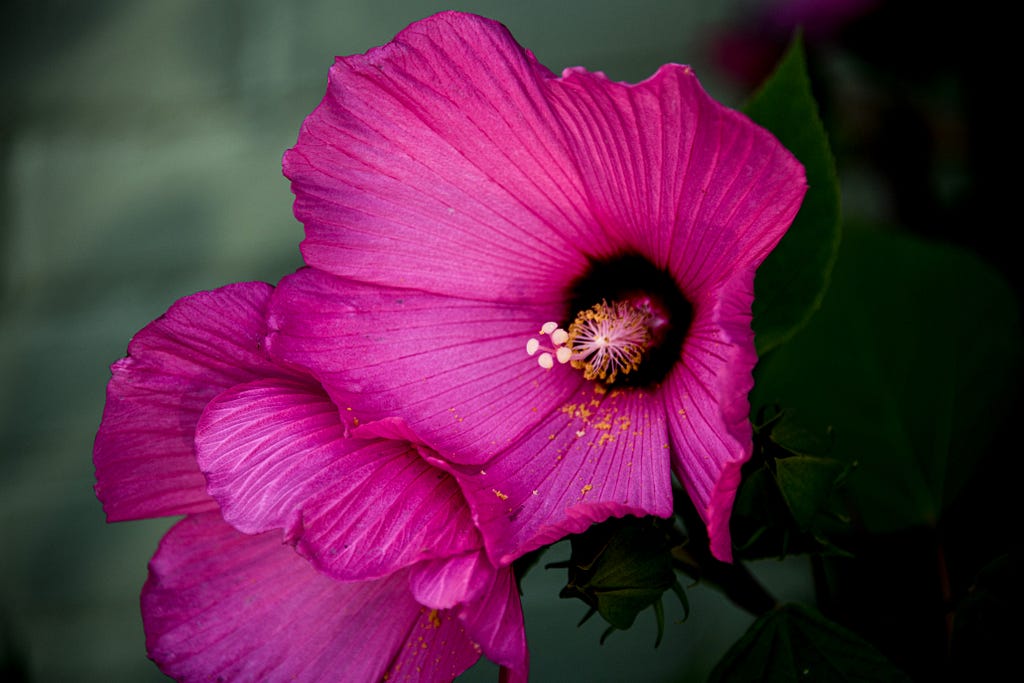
pixel 549 279
pixel 381 573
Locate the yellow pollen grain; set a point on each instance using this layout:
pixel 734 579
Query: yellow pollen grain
pixel 499 494
pixel 435 620
pixel 355 421
pixel 551 437
pixel 605 438
pixel 586 489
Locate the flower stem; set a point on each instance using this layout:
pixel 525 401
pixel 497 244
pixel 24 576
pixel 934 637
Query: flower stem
pixel 734 580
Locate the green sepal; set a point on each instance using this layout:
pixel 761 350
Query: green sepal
pixel 621 567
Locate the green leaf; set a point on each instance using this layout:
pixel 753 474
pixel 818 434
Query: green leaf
pixel 790 499
pixel 910 362
pixel 761 525
pixel 791 282
pixel 796 643
pixel 794 438
pixel 809 479
pixel 808 484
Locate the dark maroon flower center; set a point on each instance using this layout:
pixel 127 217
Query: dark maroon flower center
pixel 628 320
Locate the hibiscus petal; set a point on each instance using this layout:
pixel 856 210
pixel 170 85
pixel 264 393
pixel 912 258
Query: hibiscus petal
pixel 399 352
pixel 602 454
pixel 393 428
pixel 276 456
pixel 495 622
pixel 443 584
pixel 435 650
pixel 456 370
pixel 708 409
pixel 487 602
pixel 221 605
pixel 692 185
pixel 435 163
pixel 205 343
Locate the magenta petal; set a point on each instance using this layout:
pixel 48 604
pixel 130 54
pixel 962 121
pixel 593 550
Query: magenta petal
pixel 495 622
pixel 221 605
pixel 275 455
pixel 393 428
pixel 435 650
pixel 471 391
pixel 264 446
pixel 691 184
pixel 443 584
pixel 205 343
pixel 602 454
pixel 707 406
pixel 456 370
pixel 486 600
pixel 435 163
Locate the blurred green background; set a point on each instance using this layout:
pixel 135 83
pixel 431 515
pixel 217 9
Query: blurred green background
pixel 140 147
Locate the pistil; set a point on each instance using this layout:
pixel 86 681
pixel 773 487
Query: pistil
pixel 605 341
pixel 609 340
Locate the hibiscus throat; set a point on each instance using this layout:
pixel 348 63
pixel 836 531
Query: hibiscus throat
pixel 628 323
